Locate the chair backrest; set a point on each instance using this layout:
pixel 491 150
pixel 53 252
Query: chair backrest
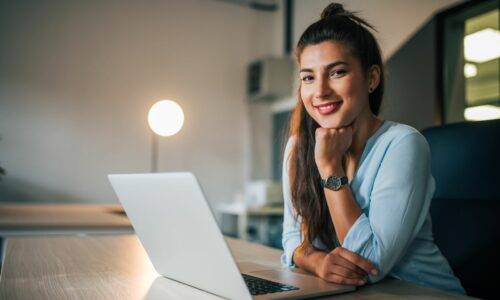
pixel 465 160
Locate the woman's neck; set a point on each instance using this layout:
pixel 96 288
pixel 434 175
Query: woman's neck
pixel 365 127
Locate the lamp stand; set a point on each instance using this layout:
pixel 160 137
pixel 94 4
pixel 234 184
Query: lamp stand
pixel 154 152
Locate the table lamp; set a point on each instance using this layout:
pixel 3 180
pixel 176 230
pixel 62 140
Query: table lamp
pixel 165 118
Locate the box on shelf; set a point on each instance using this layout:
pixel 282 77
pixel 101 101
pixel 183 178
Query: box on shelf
pixel 263 193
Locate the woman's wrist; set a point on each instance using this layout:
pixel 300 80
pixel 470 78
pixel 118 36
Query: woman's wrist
pixel 316 262
pixel 335 168
pixel 309 260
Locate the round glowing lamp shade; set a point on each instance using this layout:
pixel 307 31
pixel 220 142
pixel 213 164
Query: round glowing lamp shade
pixel 166 117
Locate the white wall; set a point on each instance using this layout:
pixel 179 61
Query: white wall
pixel 78 77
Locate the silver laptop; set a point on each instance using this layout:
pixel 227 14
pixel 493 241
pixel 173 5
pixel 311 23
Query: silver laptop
pixel 180 234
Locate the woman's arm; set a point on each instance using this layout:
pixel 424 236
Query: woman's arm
pixel 398 205
pixel 308 260
pixel 291 224
pixel 339 266
pixel 330 147
pixel 343 208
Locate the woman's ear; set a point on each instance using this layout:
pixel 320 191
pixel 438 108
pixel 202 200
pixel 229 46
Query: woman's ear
pixel 373 78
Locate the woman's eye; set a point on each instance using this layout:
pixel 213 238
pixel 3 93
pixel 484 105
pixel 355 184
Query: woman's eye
pixel 337 73
pixel 307 78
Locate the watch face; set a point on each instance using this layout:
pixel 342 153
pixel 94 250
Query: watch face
pixel 336 183
pixel 333 183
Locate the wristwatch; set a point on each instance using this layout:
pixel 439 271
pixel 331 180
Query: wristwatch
pixel 334 183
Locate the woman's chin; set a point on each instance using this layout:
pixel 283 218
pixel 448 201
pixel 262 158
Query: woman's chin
pixel 332 124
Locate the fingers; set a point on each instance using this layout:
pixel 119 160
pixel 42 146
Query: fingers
pixel 349 265
pixel 338 279
pixel 321 132
pixel 359 261
pixel 345 272
pixel 345 267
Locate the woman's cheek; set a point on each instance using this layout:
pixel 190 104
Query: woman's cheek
pixel 310 110
pixel 304 95
pixel 306 100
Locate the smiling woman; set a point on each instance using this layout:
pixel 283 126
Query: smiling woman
pixel 357 188
pixel 331 78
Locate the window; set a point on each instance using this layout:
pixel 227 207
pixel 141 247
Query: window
pixel 471 54
pixel 280 135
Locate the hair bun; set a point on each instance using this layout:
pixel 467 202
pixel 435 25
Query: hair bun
pixel 332 10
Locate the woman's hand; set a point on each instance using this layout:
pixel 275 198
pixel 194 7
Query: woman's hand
pixel 330 147
pixel 342 266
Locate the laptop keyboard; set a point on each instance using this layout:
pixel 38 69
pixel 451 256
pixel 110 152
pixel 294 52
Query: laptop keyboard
pixel 259 286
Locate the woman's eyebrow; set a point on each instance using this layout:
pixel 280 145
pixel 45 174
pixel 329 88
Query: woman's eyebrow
pixel 328 67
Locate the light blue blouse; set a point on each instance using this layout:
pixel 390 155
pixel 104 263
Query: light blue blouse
pixel 393 186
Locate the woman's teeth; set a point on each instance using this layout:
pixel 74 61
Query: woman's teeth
pixel 329 108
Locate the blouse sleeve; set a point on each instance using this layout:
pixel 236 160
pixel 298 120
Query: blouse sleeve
pixel 291 225
pixel 399 204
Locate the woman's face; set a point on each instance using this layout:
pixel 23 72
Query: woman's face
pixel 333 87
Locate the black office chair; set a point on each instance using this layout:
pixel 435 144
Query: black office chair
pixel 1 254
pixel 465 210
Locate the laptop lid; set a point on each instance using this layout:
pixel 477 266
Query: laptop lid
pixel 178 231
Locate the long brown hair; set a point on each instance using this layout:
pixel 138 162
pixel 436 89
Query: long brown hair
pixel 308 197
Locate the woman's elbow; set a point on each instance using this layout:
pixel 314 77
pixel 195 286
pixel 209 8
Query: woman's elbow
pixel 384 265
pixel 376 278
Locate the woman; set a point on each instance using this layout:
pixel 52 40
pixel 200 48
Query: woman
pixel 357 188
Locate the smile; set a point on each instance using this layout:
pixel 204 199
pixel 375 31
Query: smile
pixel 328 108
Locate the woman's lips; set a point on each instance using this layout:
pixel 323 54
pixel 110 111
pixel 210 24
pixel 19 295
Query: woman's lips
pixel 328 108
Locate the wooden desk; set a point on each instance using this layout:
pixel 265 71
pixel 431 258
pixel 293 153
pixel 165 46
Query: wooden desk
pixel 23 219
pixel 117 267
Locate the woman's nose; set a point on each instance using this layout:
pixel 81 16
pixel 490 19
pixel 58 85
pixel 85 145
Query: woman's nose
pixel 323 89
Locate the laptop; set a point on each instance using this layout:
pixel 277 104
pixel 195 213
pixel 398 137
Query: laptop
pixel 178 230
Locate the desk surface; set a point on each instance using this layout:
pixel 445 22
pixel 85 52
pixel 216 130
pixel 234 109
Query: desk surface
pixel 19 219
pixel 117 267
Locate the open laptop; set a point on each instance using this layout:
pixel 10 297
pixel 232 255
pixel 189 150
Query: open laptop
pixel 183 241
